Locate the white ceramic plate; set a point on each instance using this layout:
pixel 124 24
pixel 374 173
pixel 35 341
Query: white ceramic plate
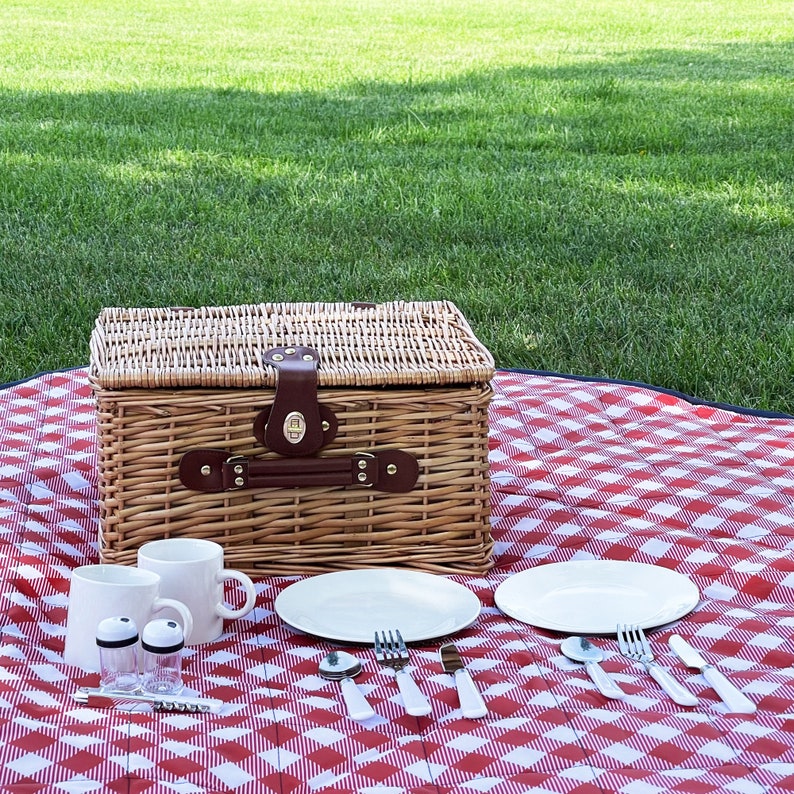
pixel 350 606
pixel 593 596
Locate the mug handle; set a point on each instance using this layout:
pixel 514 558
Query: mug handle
pixel 187 619
pixel 250 594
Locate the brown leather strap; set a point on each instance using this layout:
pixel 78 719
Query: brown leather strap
pixel 294 424
pixel 213 470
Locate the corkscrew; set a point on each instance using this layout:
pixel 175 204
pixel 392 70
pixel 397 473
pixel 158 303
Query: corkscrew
pixel 98 698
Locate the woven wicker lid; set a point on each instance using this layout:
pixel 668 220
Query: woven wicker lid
pixel 387 344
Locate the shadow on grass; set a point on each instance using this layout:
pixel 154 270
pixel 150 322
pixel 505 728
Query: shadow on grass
pixel 628 218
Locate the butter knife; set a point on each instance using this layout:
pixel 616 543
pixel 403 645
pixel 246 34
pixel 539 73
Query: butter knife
pixel 736 701
pixel 471 702
pixel 99 698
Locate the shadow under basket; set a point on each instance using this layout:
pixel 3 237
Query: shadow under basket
pixel 301 437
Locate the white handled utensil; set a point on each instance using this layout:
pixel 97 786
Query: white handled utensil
pixel 582 650
pixel 392 652
pixel 471 702
pixel 736 701
pixel 634 645
pixel 343 667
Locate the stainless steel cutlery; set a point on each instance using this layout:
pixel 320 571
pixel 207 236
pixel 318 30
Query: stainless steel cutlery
pixel 634 645
pixel 580 649
pixel 736 701
pixel 391 651
pixel 471 702
pixel 344 667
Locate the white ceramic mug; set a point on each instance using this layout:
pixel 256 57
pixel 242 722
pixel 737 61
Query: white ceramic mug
pixel 97 592
pixel 191 570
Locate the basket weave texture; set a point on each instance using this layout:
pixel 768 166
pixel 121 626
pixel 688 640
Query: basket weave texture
pixel 407 376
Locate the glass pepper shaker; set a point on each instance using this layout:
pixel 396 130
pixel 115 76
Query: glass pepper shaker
pixel 162 642
pixel 117 640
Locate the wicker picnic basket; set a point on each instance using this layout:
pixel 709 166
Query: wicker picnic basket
pixel 301 437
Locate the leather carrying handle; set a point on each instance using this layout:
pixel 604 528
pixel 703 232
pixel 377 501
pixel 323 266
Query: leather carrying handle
pixel 214 470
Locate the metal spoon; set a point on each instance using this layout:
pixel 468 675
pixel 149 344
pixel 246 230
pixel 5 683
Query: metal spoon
pixel 580 649
pixel 342 666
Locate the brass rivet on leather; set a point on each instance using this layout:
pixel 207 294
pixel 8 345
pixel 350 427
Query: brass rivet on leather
pixel 391 469
pixel 362 464
pixel 238 469
pixel 326 426
pixel 308 357
pixel 362 477
pixel 290 351
pixel 206 470
pixel 239 482
pixel 278 357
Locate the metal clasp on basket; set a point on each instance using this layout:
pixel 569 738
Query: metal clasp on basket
pixel 295 424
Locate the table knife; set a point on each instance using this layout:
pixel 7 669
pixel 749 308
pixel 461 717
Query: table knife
pixel 736 701
pixel 471 702
pixel 99 698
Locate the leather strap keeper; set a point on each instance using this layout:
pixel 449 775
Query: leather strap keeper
pixel 214 470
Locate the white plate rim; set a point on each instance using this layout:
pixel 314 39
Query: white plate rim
pixel 686 601
pixel 314 586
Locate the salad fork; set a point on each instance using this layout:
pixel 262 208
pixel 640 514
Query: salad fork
pixel 393 653
pixel 634 645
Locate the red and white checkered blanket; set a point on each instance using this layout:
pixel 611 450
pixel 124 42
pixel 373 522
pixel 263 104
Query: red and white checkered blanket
pixel 580 470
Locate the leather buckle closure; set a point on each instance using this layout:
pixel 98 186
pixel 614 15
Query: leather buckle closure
pixel 296 424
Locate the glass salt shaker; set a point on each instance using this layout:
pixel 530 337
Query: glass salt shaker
pixel 117 640
pixel 162 642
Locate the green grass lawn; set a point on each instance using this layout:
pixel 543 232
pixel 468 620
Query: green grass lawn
pixel 605 188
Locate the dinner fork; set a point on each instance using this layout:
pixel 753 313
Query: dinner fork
pixel 634 645
pixel 393 653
